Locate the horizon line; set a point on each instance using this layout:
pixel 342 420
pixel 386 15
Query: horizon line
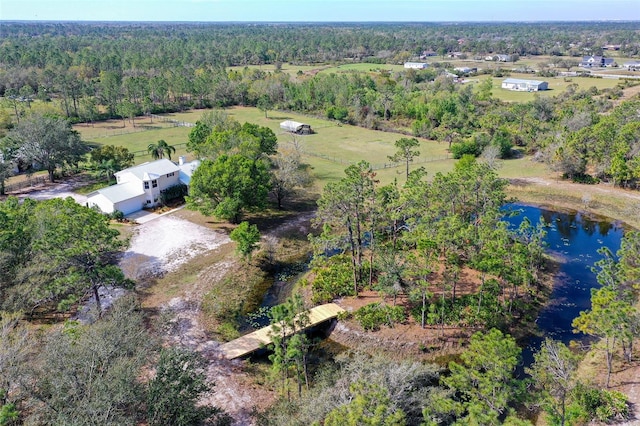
pixel 506 21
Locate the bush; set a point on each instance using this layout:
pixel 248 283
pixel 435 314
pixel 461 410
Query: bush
pixel 173 193
pixel 582 178
pixel 117 215
pixel 601 405
pixel 465 148
pixel 337 113
pixel 372 316
pixel 334 278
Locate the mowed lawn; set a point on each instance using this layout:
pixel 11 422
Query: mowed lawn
pixel 330 150
pixel 286 68
pixel 136 140
pixel 333 147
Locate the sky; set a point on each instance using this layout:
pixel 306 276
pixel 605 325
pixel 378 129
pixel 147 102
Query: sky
pixel 320 10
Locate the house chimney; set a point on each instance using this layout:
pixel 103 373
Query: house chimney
pixel 181 160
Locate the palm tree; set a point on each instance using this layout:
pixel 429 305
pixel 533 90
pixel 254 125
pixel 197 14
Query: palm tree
pixel 159 149
pixel 106 168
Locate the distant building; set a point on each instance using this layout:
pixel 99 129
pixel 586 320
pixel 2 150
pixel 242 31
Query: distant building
pixel 611 47
pixel 632 66
pixel 518 85
pixel 499 58
pixel 465 70
pixel 427 53
pixel 416 65
pixel 596 62
pixel 295 127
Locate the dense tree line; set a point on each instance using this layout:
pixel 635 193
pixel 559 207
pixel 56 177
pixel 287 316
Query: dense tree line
pixel 141 70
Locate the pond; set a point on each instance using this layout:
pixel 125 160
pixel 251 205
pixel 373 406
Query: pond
pixel 573 239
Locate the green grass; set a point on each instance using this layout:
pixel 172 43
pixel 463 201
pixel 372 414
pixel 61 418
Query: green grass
pixel 330 150
pixel 138 140
pixel 363 68
pixel 334 147
pixel 94 186
pixel 286 68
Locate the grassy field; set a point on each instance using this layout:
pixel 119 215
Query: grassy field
pixel 363 68
pixel 328 151
pixel 333 147
pixel 286 68
pixel 136 140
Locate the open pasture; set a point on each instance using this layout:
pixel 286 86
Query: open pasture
pixel 136 140
pixel 286 68
pixel 363 67
pixel 330 150
pixel 333 147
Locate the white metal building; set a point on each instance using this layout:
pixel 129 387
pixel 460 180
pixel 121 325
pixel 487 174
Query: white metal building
pixel 416 65
pixel 295 127
pixel 519 85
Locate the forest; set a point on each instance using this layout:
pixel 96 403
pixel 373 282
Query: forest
pixel 414 242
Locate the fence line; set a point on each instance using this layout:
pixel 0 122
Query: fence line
pixel 32 181
pixel 380 166
pixel 176 123
pixel 143 153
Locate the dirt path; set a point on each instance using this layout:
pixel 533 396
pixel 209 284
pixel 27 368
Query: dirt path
pixel 234 391
pixel 163 245
pixel 578 187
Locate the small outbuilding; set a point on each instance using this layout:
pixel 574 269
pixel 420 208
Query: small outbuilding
pixel 295 127
pixel 519 85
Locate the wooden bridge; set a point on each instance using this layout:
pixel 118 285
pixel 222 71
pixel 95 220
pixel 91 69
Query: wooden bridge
pixel 260 338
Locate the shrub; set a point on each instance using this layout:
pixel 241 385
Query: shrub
pixel 601 405
pixel 465 148
pixel 332 279
pixel 173 193
pixel 117 215
pixel 373 315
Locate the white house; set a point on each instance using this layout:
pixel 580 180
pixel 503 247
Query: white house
pixel 416 65
pixel 518 85
pixel 140 186
pixel 632 66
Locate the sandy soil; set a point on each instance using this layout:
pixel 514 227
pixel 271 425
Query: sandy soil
pixel 165 243
pixel 162 246
pixel 55 190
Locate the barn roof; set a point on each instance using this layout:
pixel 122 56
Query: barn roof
pixel 520 81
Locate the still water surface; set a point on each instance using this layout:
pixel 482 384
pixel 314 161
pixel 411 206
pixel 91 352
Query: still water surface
pixel 574 240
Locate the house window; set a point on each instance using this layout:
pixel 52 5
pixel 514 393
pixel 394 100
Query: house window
pixel 148 202
pixel 146 185
pixel 154 183
pixel 170 174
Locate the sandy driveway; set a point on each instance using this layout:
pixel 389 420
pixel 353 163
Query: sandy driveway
pixel 61 190
pixel 164 243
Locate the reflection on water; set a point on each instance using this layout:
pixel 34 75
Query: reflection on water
pixel 574 240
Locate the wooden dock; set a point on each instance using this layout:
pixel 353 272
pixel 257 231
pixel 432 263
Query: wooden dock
pixel 260 338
